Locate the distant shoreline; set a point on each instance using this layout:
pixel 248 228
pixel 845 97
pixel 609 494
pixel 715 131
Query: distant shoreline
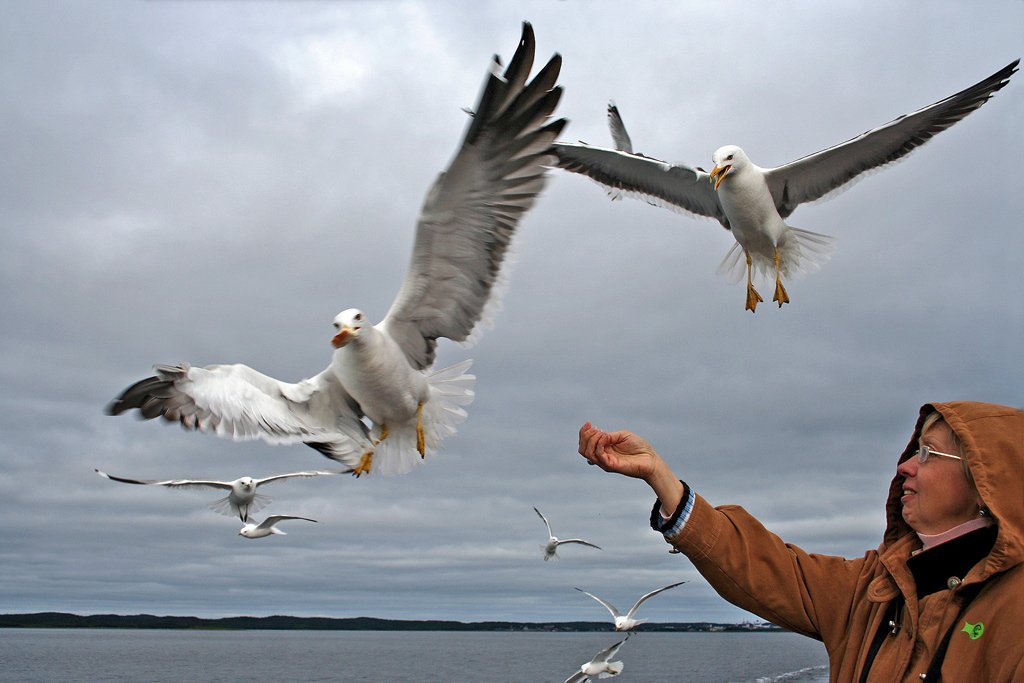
pixel 285 623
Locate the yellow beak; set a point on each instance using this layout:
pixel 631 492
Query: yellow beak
pixel 340 339
pixel 718 174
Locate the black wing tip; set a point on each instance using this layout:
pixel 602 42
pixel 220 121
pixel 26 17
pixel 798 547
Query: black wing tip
pixel 527 31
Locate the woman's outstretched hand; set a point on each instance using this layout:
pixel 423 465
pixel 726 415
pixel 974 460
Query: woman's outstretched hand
pixel 633 456
pixel 620 452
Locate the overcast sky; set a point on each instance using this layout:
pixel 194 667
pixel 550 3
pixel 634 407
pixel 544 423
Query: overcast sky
pixel 213 182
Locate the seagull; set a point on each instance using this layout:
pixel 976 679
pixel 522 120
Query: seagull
pixel 379 396
pixel 242 498
pixel 266 527
pixel 753 202
pixel 600 665
pixel 553 542
pixel 462 237
pixel 629 622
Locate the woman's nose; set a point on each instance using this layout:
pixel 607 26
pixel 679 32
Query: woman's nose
pixel 906 468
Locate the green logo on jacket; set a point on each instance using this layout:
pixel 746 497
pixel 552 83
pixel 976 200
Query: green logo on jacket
pixel 975 631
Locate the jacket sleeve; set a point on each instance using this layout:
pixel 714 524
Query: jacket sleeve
pixel 754 569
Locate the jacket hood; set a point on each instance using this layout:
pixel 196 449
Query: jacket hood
pixel 992 437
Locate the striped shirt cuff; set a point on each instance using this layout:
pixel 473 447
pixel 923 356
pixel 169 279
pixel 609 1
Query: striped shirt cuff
pixel 672 525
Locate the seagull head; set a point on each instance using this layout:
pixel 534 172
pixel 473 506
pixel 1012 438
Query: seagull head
pixel 246 484
pixel 726 159
pixel 348 323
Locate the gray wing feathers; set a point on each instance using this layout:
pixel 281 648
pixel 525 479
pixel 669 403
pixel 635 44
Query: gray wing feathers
pixel 607 605
pixel 822 174
pixel 473 209
pixel 675 187
pixel 306 473
pixel 274 519
pixel 611 651
pixel 643 599
pixel 545 519
pixel 618 130
pixel 172 483
pixel 237 402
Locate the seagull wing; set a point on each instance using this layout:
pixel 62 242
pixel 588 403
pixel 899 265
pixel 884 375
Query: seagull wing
pixel 173 483
pixel 609 652
pixel 545 520
pixel 608 606
pixel 651 595
pixel 237 402
pixel 675 187
pixel 578 677
pixel 274 519
pixel 306 473
pixel 472 210
pixel 618 129
pixel 579 541
pixel 823 173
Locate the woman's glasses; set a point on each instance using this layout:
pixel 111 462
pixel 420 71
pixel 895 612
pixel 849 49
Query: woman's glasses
pixel 924 452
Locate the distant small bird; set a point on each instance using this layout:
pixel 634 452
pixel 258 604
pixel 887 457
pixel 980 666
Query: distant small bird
pixel 382 373
pixel 753 202
pixel 600 665
pixel 242 499
pixel 628 622
pixel 553 542
pixel 266 527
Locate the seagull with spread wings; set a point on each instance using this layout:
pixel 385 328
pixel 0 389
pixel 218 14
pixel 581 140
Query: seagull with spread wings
pixel 600 666
pixel 380 396
pixel 753 202
pixel 242 498
pixel 628 621
pixel 551 546
pixel 267 527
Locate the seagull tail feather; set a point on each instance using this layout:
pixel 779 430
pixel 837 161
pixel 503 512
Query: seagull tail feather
pixel 800 252
pixel 734 265
pixel 803 252
pixel 451 388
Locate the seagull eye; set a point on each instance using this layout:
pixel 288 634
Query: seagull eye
pixel 729 158
pixel 359 317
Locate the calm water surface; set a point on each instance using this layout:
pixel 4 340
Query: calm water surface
pixel 101 655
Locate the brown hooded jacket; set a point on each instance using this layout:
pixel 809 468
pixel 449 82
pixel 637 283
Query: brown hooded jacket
pixel 849 604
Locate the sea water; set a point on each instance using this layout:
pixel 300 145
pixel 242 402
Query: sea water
pixel 157 656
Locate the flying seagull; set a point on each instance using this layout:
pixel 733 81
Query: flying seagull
pixel 753 202
pixel 380 395
pixel 600 666
pixel 266 527
pixel 629 622
pixel 553 542
pixel 242 499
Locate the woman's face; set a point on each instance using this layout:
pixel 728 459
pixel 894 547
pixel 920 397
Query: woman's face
pixel 937 495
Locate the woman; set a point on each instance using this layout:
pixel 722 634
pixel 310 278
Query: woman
pixel 943 595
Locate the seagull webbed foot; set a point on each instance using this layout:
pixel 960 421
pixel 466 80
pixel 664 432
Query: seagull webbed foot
pixel 780 294
pixel 753 298
pixel 365 463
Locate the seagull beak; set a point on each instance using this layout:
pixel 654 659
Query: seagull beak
pixel 341 338
pixel 718 174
